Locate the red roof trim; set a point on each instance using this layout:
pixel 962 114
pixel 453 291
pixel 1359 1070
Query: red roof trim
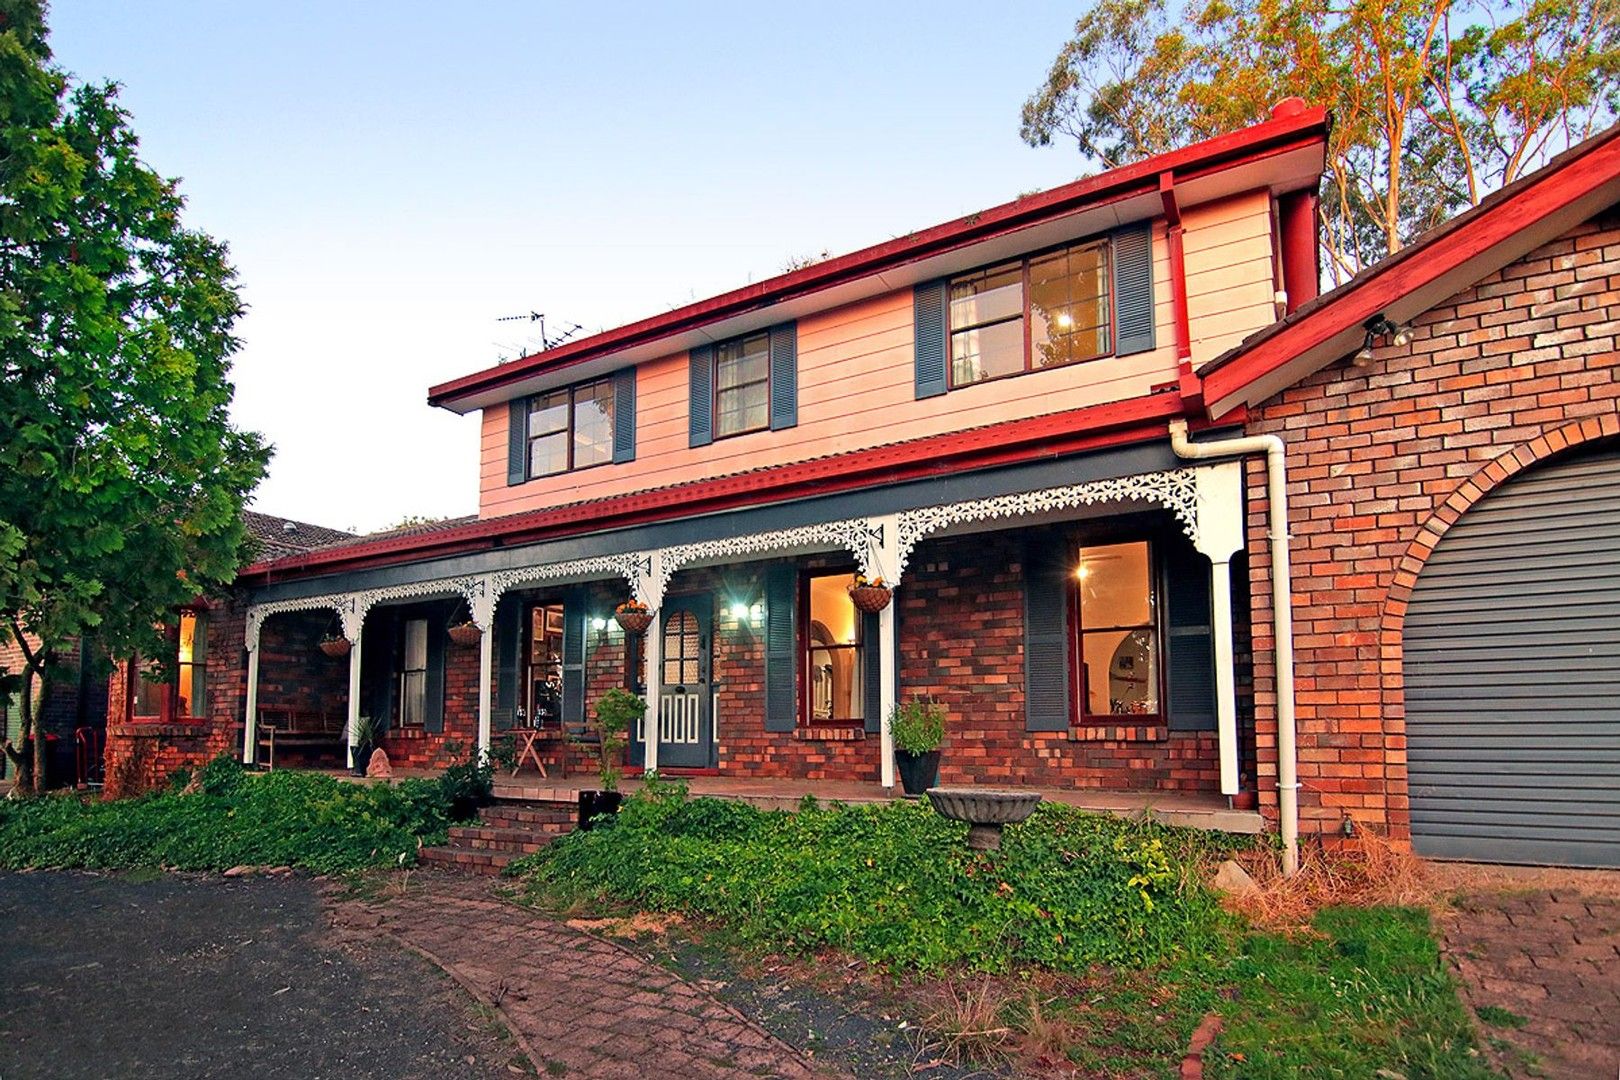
pixel 1263 140
pixel 1056 435
pixel 1568 178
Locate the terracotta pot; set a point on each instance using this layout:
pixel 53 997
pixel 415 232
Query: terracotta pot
pixel 870 598
pixel 335 647
pixel 633 621
pixel 466 633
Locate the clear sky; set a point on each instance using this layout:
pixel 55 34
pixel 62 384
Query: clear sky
pixel 392 177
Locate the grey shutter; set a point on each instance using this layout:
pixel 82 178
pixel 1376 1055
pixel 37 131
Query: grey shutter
pixel 1046 634
pixel 573 659
pixel 784 376
pixel 624 415
pixel 1190 652
pixel 433 712
pixel 517 441
pixel 870 645
pixel 377 667
pixel 1133 290
pixel 508 661
pixel 700 394
pixel 929 303
pixel 781 655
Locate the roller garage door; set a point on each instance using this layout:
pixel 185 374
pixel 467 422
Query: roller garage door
pixel 1512 654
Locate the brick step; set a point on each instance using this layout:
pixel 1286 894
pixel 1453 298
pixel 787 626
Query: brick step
pixel 512 814
pixel 486 863
pixel 483 838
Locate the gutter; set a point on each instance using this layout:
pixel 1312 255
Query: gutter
pixel 1282 615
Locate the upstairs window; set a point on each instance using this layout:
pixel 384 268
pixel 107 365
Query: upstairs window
pixel 571 428
pixel 1043 311
pixel 742 385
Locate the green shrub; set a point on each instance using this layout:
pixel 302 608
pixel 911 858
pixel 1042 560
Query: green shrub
pixel 918 725
pixel 894 883
pixel 280 818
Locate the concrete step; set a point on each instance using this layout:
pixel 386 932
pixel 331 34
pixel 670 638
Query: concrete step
pixel 495 838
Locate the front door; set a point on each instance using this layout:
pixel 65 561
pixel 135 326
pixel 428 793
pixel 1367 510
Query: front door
pixel 685 695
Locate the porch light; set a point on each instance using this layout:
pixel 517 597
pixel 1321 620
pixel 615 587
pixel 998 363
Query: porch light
pixel 1082 571
pixel 599 623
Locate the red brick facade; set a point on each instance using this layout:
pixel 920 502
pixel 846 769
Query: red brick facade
pixel 1382 460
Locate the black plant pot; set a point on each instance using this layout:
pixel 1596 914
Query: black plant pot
pixel 593 803
pixel 362 758
pixel 917 771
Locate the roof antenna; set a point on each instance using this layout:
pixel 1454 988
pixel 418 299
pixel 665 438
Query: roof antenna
pixel 546 340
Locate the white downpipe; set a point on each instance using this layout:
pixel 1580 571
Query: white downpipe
pixel 1282 614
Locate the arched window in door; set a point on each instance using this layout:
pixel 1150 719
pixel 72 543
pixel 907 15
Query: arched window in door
pixel 682 649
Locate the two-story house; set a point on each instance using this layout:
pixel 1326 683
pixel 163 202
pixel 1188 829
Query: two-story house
pixel 1058 431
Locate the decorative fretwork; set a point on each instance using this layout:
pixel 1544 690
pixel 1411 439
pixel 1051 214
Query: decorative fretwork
pixel 633 566
pixel 861 537
pixel 1175 489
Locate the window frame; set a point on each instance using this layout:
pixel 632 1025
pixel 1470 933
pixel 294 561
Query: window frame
pixel 169 711
pixel 401 671
pixel 569 432
pixel 803 649
pixel 1079 716
pixel 1105 244
pixel 715 433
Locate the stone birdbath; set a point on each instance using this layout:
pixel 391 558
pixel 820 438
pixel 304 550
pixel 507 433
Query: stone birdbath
pixel 985 810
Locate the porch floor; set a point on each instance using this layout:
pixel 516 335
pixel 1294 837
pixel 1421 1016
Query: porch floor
pixel 1196 810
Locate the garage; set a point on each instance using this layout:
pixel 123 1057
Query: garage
pixel 1512 659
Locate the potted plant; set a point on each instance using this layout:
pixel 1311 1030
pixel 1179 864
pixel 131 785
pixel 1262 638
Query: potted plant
pixel 468 785
pixel 633 616
pixel 870 596
pixel 918 727
pixel 335 645
pixel 616 710
pixel 367 734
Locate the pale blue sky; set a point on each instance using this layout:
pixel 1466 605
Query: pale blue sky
pixel 393 177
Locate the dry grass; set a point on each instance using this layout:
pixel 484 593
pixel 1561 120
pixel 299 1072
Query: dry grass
pixel 964 1023
pixel 1368 869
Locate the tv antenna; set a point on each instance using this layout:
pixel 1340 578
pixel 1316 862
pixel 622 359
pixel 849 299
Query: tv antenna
pixel 546 340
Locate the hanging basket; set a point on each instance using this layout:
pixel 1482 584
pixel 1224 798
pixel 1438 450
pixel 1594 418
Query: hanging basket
pixel 466 633
pixel 336 647
pixel 634 620
pixel 870 598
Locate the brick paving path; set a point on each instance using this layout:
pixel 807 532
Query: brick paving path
pixel 582 1007
pixel 1552 957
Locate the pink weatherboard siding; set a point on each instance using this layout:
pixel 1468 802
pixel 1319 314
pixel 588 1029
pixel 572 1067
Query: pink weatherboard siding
pixel 856 382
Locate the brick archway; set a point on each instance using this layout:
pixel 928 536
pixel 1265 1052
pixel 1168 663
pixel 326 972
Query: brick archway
pixel 1492 475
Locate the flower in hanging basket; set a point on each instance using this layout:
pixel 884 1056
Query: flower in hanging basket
pixel 634 616
pixel 870 595
pixel 335 645
pixel 465 633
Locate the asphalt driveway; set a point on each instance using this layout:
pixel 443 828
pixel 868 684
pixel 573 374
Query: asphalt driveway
pixel 177 976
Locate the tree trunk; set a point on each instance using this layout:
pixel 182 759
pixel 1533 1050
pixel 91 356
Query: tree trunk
pixel 40 748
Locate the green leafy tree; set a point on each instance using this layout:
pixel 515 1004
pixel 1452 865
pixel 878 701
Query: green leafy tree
pixel 121 477
pixel 1435 104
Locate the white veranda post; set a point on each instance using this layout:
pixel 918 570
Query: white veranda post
pixel 250 723
pixel 1220 536
pixel 482 601
pixel 650 591
pixel 354 696
pixel 883 560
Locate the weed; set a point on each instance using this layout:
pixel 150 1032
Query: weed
pixel 1496 1016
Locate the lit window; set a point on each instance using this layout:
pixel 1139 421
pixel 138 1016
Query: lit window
pixel 742 385
pixel 1034 313
pixel 544 681
pixel 1119 638
pixel 161 694
pixel 571 428
pixel 834 657
pixel 193 665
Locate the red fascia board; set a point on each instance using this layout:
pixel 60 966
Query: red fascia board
pixel 1261 141
pixel 1070 432
pixel 1469 237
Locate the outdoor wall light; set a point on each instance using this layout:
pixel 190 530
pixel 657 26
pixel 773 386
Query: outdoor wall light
pixel 1379 327
pixel 747 614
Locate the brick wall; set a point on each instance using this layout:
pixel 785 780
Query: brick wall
pixel 68 700
pixel 1381 459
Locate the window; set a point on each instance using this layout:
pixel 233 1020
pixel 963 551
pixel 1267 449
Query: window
pixel 742 385
pixel 543 660
pixel 1044 311
pixel 571 428
pixel 833 654
pixel 413 673
pixel 1118 631
pixel 186 697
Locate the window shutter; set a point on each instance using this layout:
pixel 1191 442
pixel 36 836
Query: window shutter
pixel 781 655
pixel 377 667
pixel 1046 634
pixel 517 441
pixel 573 659
pixel 624 415
pixel 508 631
pixel 1133 290
pixel 929 301
pixel 784 376
pixel 873 670
pixel 700 392
pixel 1190 653
pixel 433 714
